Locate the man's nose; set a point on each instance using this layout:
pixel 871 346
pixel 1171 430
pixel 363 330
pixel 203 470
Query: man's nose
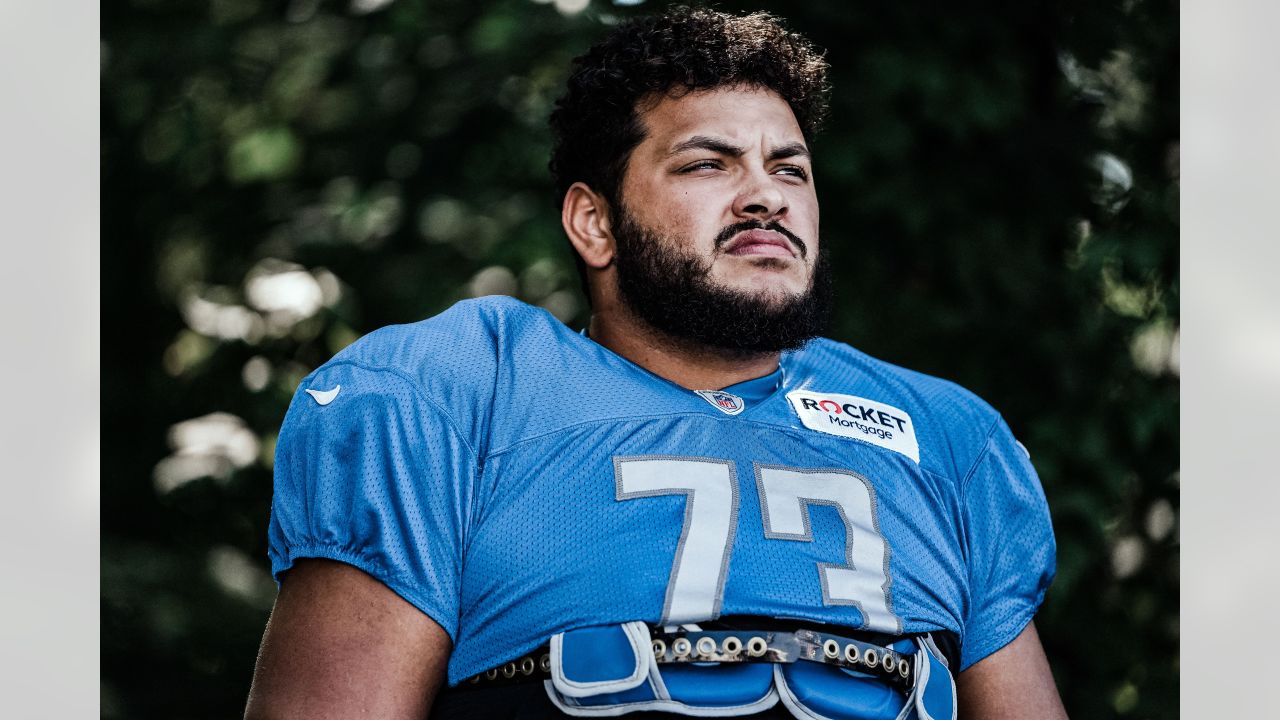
pixel 759 197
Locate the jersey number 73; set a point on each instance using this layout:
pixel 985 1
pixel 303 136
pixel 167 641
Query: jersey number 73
pixel 701 565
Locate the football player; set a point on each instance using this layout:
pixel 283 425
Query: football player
pixel 695 506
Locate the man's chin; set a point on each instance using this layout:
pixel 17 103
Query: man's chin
pixel 766 295
pixel 731 304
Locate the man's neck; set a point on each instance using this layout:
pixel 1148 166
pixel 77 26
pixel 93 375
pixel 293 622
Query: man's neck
pixel 686 364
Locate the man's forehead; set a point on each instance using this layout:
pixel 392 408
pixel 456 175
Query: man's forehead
pixel 745 115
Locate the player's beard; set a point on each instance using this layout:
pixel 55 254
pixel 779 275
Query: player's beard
pixel 672 290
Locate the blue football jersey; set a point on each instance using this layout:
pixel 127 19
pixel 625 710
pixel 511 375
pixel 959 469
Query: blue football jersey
pixel 514 479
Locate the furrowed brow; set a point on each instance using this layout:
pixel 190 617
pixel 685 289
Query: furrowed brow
pixel 703 142
pixel 789 150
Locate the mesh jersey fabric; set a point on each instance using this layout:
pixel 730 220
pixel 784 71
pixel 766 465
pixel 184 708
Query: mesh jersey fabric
pixel 514 479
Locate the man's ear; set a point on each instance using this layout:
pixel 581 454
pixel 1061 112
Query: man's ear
pixel 585 216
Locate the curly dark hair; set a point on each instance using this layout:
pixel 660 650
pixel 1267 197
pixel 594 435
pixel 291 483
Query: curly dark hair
pixel 596 125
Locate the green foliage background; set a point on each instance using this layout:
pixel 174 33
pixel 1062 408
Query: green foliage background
pixel 279 178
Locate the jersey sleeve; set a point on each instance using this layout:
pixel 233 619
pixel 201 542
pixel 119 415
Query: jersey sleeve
pixel 1010 545
pixel 377 477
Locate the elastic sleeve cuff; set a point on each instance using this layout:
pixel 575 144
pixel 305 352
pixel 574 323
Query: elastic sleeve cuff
pixel 404 589
pixel 978 646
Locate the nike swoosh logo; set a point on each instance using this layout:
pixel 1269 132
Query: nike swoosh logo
pixel 324 397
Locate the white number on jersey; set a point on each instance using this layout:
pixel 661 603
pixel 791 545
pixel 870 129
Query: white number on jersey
pixel 695 590
pixel 862 581
pixel 710 518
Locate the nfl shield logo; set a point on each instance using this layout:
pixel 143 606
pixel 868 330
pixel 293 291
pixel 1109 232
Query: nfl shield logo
pixel 727 403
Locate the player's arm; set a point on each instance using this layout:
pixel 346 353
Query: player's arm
pixel 1013 682
pixel 340 644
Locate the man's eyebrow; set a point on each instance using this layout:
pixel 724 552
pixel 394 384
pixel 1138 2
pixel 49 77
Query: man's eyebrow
pixel 724 147
pixel 794 149
pixel 704 142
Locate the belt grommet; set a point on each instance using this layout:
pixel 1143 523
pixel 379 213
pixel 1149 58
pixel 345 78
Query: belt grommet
pixel 526 665
pixel 706 646
pixel 491 674
pixel 509 670
pixel 659 648
pixel 544 663
pixel 851 654
pixel 903 668
pixel 887 662
pixel 681 647
pixel 831 649
pixel 756 646
pixel 731 645
pixel 870 657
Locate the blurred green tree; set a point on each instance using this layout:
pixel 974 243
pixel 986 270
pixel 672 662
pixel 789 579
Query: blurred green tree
pixel 1001 190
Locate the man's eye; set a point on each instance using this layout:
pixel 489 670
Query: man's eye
pixel 794 171
pixel 700 165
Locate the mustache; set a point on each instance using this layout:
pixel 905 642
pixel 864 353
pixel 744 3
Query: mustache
pixel 727 234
